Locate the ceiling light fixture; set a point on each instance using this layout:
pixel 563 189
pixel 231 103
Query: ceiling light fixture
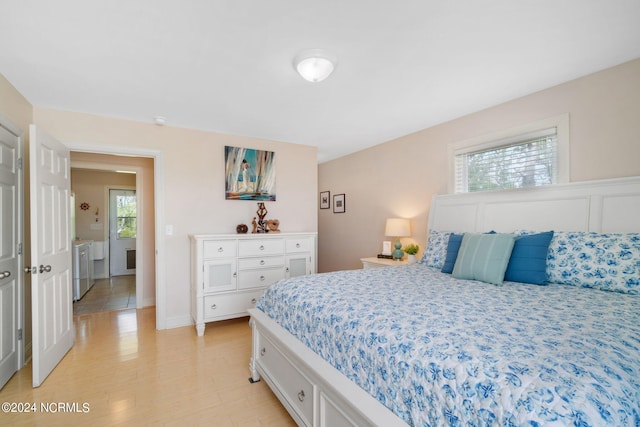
pixel 314 65
pixel 160 120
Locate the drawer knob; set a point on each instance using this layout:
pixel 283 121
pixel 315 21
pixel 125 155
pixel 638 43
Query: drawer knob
pixel 253 301
pixel 263 351
pixel 213 306
pixel 301 395
pixel 298 245
pixel 220 249
pixel 261 262
pixel 262 278
pixel 235 274
pixel 262 247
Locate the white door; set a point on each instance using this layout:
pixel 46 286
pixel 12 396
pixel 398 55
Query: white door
pixel 10 262
pixel 51 292
pixel 122 232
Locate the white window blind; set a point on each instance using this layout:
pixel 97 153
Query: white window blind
pixel 521 161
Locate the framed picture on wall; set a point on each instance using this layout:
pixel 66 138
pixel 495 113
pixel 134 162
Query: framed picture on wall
pixel 250 174
pixel 325 197
pixel 339 203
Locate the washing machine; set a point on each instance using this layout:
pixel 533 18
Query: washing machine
pixel 82 271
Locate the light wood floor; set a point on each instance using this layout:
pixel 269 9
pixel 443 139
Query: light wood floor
pixel 130 374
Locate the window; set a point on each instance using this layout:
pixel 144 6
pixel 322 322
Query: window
pixel 525 157
pixel 126 215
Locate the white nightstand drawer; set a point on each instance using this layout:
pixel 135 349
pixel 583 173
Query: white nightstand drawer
pixel 219 248
pixel 259 278
pixel 259 247
pixel 303 244
pixel 260 262
pixel 374 262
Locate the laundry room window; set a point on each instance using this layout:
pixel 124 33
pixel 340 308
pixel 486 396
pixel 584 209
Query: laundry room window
pixel 126 218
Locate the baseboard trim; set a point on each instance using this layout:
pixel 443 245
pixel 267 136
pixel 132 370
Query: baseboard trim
pixel 179 321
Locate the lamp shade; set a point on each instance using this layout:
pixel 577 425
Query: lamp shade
pixel 397 227
pixel 314 65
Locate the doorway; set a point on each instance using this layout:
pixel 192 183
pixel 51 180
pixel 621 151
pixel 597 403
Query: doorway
pixel 150 188
pixel 98 175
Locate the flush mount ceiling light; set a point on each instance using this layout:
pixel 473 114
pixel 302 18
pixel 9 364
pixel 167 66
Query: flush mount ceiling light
pixel 314 65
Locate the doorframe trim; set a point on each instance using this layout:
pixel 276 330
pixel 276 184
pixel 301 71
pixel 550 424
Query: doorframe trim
pixel 158 192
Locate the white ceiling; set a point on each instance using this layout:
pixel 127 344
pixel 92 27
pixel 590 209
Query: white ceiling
pixel 226 66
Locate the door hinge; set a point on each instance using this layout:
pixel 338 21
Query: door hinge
pixel 19 162
pixel 19 334
pixel 19 248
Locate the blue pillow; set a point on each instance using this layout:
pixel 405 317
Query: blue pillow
pixel 455 240
pixel 528 262
pixel 484 257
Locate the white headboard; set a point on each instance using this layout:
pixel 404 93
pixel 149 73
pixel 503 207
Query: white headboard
pixel 607 206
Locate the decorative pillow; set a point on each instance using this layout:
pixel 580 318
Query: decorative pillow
pixel 455 240
pixel 484 257
pixel 528 262
pixel 436 249
pixel 608 261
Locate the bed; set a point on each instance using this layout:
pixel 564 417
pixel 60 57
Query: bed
pixel 411 345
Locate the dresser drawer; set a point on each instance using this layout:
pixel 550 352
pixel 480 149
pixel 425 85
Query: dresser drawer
pixel 218 248
pixel 259 278
pixel 260 262
pixel 227 305
pixel 303 244
pixel 259 247
pixel 296 387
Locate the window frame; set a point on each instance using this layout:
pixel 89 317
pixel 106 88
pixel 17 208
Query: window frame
pixel 511 136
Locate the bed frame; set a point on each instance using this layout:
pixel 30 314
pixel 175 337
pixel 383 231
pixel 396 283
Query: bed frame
pixel 316 394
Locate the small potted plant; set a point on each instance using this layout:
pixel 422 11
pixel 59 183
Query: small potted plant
pixel 411 250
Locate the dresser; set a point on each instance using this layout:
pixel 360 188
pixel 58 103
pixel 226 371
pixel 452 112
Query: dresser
pixel 229 272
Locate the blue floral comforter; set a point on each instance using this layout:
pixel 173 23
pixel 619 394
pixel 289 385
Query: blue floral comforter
pixel 444 352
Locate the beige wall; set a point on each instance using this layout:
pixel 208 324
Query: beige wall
pixel 15 106
pixel 398 178
pixel 194 180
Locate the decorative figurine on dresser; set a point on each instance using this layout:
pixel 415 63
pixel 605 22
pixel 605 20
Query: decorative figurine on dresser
pixel 262 212
pixel 229 272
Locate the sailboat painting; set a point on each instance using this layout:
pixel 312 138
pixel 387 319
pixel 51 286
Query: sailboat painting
pixel 250 174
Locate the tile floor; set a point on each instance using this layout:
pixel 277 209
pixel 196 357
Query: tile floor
pixel 114 293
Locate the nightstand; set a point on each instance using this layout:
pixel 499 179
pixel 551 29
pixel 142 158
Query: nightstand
pixel 375 262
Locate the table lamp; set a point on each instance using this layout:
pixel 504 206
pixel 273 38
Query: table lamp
pixel 397 227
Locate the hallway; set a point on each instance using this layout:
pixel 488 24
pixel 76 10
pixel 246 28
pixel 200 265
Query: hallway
pixel 114 293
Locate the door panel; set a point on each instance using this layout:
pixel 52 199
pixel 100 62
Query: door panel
pixel 10 263
pixel 51 283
